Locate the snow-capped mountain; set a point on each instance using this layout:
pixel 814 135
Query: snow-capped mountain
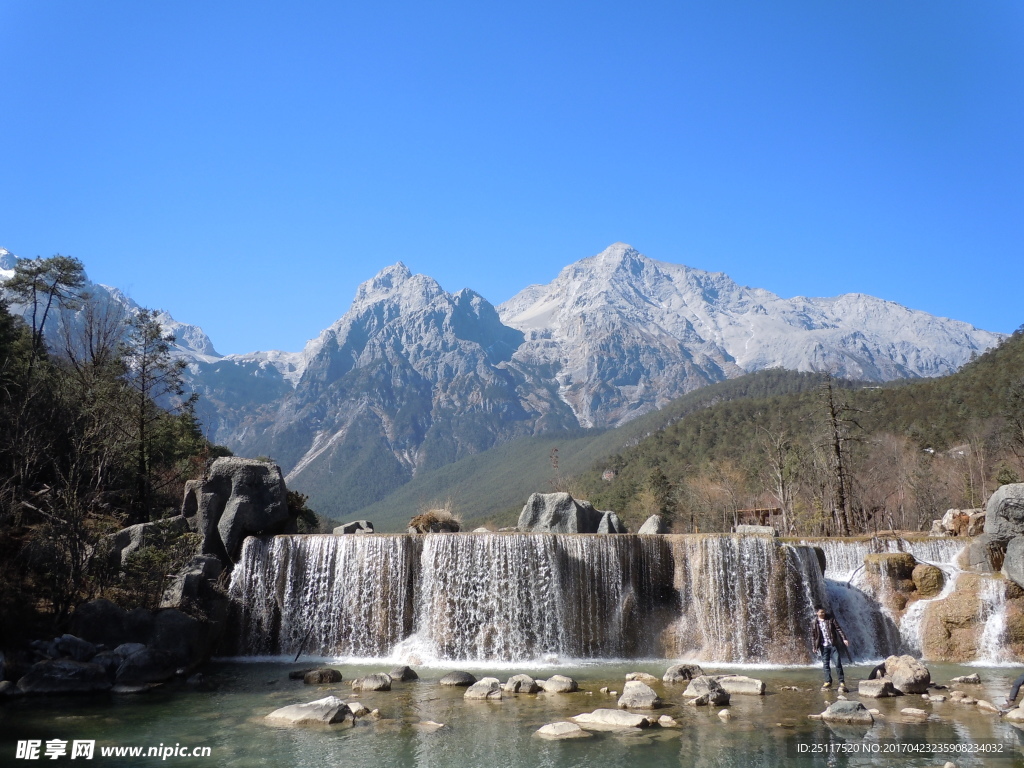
pixel 413 378
pixel 410 378
pixel 627 334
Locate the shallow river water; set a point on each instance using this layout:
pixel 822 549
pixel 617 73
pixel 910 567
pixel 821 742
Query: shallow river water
pixel 765 730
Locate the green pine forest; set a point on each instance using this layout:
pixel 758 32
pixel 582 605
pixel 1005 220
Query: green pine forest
pixel 96 433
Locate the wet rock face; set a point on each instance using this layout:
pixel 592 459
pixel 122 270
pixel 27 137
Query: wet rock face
pixel 952 626
pixel 928 579
pixel 237 498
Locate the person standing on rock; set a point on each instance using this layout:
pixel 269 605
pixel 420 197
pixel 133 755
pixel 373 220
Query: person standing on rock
pixel 826 633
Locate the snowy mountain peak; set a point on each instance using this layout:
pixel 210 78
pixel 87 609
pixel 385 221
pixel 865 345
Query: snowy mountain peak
pixel 629 333
pixel 7 260
pixel 396 283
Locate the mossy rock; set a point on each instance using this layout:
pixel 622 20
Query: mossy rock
pixel 928 579
pixel 894 565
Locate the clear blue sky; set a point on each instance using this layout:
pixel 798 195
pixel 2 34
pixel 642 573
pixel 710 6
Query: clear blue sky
pixel 245 165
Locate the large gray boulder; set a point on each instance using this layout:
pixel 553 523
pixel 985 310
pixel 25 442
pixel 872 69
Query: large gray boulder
pixel 653 524
pixel 64 676
pixel 237 498
pixel 1013 563
pixel 326 711
pixel 1004 513
pixel 559 513
pixel 637 695
pixel 610 523
pixel 984 553
pixel 128 540
pixel 908 674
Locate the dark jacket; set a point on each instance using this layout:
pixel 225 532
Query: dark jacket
pixel 838 636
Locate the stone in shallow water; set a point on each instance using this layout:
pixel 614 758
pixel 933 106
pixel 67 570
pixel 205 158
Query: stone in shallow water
pixel 561 731
pixel 376 682
pixel 914 713
pixel 521 684
pixel 966 680
pixel 558 684
pixel 876 689
pixel 908 674
pixel 638 695
pixel 681 673
pixel 403 674
pixel 458 678
pixel 601 719
pixel 851 712
pixel 740 684
pixel 326 711
pixel 643 677
pixel 322 676
pixel 487 688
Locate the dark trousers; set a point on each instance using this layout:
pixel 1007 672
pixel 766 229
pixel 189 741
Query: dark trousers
pixel 827 652
pixel 1016 688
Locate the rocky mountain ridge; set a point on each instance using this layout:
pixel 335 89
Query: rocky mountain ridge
pixel 413 377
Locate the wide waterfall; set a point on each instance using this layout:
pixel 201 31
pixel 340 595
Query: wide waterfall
pixel 518 597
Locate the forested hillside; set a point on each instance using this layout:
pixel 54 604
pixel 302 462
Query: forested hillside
pixel 491 487
pixel 85 449
pixel 831 460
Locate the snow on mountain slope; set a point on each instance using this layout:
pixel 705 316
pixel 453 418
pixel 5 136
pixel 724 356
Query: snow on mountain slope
pixel 628 333
pixel 191 342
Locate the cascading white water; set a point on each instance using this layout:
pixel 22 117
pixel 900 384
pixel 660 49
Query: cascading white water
pixel 519 597
pixel 346 595
pixel 874 630
pixel 992 597
pixel 744 599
